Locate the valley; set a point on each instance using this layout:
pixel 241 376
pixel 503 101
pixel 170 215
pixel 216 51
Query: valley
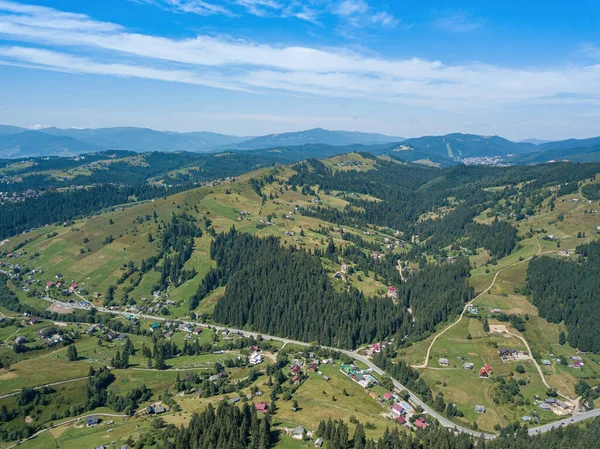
pixel 130 269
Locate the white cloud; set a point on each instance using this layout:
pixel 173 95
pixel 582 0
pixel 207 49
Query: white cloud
pixel 358 13
pixel 457 22
pixel 199 7
pixel 54 40
pixel 351 7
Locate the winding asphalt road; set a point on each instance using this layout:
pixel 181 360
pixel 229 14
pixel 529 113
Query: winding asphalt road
pixel 413 397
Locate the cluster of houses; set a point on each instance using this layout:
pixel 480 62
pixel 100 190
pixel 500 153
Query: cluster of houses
pixel 444 362
pixel 15 197
pixel 50 335
pixel 472 309
pixel 312 367
pixel 156 409
pixel 110 335
pixel 361 377
pixel 555 405
pixel 576 362
pixel 512 354
pixel 243 214
pixel 300 433
pixel 168 328
pixel 67 288
pixel 375 348
pixel 402 412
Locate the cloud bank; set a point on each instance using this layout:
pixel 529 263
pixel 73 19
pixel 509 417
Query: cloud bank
pixel 49 39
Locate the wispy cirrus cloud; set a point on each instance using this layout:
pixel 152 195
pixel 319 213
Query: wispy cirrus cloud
pixel 45 38
pixel 457 22
pixel 354 12
pixel 199 7
pixel 360 13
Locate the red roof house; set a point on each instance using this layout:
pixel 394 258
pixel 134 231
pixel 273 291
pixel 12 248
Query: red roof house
pixel 401 419
pixel 261 407
pixel 296 369
pixel 486 371
pixel 421 424
pixel 387 396
pixel 397 409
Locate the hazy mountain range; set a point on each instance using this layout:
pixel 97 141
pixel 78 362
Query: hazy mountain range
pixel 16 142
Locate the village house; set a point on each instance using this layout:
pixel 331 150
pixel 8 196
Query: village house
pixel 485 372
pixel 392 293
pixel 397 409
pixel 91 421
pixel 261 407
pixel 479 409
pixel 298 433
pixel 47 332
pixel 255 358
pixel 444 362
pixel 468 365
pixel 420 423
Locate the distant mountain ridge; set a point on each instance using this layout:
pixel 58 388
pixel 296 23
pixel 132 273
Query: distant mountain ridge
pixel 317 136
pixel 17 142
pixel 468 145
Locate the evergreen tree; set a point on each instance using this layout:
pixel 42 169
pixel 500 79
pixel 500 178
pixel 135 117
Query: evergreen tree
pixel 72 353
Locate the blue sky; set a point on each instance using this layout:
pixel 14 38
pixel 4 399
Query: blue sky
pixel 518 69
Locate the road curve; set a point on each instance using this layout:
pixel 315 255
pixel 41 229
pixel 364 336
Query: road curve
pixel 460 317
pixel 414 398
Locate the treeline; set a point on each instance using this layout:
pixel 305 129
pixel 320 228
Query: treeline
pixel 57 207
pixel 458 228
pixel 227 427
pixel 337 436
pixel 568 291
pixel 591 191
pixel 409 191
pixel 283 291
pixel 397 185
pixel 435 293
pixel 177 245
pixel 405 374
